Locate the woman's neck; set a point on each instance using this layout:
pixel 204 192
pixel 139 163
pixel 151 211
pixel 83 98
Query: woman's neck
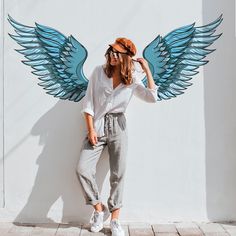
pixel 116 70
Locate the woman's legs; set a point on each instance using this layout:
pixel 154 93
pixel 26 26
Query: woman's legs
pixel 86 170
pixel 98 207
pixel 116 138
pixel 115 213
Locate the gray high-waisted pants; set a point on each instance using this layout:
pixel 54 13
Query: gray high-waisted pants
pixel 116 140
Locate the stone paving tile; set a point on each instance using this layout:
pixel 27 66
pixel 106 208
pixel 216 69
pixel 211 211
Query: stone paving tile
pixel 232 233
pixel 141 232
pixel 131 229
pixel 166 234
pixel 68 230
pixel 21 229
pixel 190 231
pixel 164 228
pixel 45 229
pixel 140 229
pixel 211 227
pixel 217 234
pixel 5 227
pixel 186 225
pixel 230 227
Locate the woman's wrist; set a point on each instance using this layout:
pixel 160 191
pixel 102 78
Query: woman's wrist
pixel 147 70
pixel 91 130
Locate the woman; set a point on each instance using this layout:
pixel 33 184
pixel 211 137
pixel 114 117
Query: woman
pixel 109 91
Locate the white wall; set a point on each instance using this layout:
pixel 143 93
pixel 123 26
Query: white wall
pixel 219 112
pixel 180 162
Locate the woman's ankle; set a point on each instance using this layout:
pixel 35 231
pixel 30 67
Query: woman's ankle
pixel 98 207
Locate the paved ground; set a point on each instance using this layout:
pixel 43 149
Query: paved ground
pixel 133 229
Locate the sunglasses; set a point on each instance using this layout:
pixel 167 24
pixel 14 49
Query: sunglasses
pixel 115 54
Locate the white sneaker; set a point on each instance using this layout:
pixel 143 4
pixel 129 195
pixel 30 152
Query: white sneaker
pixel 97 221
pixel 98 218
pixel 116 229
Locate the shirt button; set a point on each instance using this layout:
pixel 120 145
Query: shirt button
pixel 109 104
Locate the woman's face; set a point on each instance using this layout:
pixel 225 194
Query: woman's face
pixel 114 55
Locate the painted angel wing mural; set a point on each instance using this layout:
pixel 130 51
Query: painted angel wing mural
pixel 174 59
pixel 57 60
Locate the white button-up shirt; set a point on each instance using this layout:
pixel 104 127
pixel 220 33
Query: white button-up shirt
pixel 101 98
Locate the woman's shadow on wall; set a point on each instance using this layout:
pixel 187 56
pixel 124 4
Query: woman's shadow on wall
pixel 61 131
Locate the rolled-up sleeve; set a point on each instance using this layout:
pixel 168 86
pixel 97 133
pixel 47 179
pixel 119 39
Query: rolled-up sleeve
pixel 145 93
pixel 88 100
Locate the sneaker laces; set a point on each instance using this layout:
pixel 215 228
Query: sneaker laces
pixel 116 224
pixel 95 217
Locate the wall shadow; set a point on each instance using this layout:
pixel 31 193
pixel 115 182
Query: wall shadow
pixel 61 131
pixel 220 115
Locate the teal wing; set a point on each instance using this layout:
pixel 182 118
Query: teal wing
pixel 56 59
pixel 175 58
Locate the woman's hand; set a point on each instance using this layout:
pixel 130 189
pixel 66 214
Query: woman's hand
pixel 144 64
pixel 92 136
pixel 145 67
